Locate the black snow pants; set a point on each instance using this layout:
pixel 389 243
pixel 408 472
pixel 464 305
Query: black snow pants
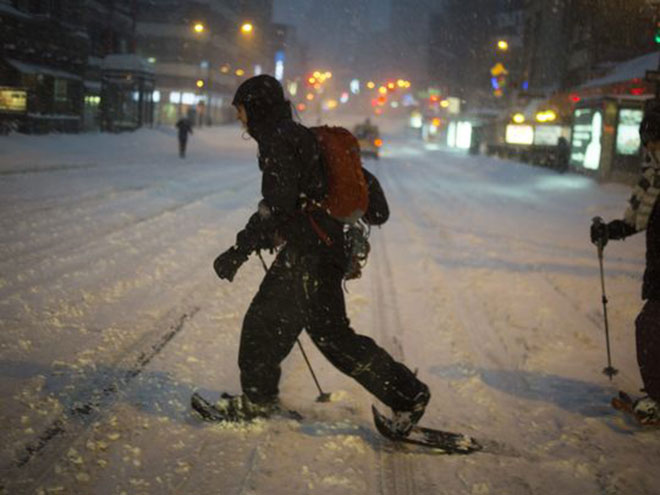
pixel 647 332
pixel 305 292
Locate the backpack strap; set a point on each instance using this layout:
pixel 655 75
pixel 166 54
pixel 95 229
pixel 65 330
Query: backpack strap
pixel 323 235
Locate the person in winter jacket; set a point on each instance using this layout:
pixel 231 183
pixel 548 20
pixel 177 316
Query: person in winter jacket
pixel 643 214
pixel 184 128
pixel 302 289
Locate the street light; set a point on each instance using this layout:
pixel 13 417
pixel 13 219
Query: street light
pixel 247 28
pixel 503 45
pixel 198 27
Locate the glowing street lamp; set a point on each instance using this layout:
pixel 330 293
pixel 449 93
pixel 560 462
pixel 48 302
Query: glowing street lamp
pixel 519 118
pixel 503 45
pixel 200 83
pixel 247 28
pixel 198 27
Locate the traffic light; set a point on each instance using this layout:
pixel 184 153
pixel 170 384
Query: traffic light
pixel 656 32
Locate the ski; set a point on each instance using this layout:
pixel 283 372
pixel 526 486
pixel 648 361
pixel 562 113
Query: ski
pixel 625 403
pixel 227 412
pixel 445 441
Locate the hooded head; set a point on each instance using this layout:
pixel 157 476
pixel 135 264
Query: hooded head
pixel 649 133
pixel 264 102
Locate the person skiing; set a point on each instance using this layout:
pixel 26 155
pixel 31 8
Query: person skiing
pixel 184 127
pixel 302 289
pixel 643 214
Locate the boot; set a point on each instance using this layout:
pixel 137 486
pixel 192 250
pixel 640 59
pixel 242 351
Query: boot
pixel 240 408
pixel 647 411
pixel 404 421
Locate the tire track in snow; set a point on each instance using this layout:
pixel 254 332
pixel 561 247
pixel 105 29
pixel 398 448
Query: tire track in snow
pixel 440 194
pixel 493 348
pixel 73 243
pixel 34 461
pixel 48 169
pixel 397 474
pixel 67 207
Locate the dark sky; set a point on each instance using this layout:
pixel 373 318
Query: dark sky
pixel 370 37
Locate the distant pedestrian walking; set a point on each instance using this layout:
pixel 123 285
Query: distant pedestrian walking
pixel 185 128
pixel 563 155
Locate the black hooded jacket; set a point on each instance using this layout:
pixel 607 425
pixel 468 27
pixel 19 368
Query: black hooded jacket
pixel 289 159
pixel 618 229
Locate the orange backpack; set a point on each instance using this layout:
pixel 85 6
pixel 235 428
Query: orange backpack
pixel 348 195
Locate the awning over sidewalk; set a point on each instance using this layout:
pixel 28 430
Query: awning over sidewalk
pixel 27 68
pixel 627 71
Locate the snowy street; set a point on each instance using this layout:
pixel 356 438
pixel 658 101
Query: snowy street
pixel 483 279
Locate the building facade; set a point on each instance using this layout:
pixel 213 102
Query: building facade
pixel 569 42
pixel 42 65
pixel 200 52
pixel 53 70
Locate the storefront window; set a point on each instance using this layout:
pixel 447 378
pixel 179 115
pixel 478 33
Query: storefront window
pixel 451 135
pixel 627 131
pixel 519 134
pixel 547 135
pixel 60 90
pixel 463 135
pixel 13 100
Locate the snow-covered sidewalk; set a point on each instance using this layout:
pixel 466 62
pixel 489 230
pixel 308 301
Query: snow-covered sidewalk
pixel 483 279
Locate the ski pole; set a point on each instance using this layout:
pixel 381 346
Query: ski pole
pixel 323 396
pixel 609 370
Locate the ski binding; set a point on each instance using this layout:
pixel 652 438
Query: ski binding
pixel 213 413
pixel 445 441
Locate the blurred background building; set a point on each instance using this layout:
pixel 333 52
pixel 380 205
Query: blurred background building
pixel 69 66
pixel 113 65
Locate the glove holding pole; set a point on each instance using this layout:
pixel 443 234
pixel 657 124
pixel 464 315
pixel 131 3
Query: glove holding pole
pixel 227 264
pixel 600 236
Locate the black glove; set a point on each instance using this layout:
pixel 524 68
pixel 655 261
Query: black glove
pixel 227 264
pixel 599 232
